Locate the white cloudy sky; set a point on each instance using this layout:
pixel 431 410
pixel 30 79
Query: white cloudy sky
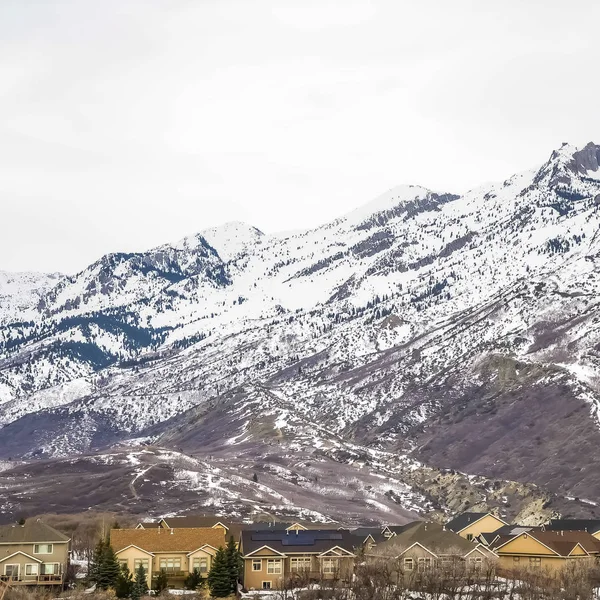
pixel 128 123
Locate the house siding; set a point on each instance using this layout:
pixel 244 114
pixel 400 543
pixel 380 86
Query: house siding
pixel 59 555
pixel 484 525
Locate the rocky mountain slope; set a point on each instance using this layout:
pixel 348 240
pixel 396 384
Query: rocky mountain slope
pixel 461 332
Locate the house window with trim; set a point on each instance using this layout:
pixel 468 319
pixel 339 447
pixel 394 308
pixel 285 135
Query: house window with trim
pixel 145 562
pixel 43 548
pixel 266 585
pixel 170 565
pixel 535 561
pixel 123 563
pixel 300 563
pixel 424 563
pixel 11 571
pixel 470 537
pixel 475 563
pixel 50 569
pixel 256 564
pixel 32 569
pixel 330 565
pixel 409 564
pixel 200 564
pixel 274 566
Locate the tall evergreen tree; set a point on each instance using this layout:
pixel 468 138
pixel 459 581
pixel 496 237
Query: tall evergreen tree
pixel 96 561
pixel 124 583
pixel 234 563
pixel 219 578
pixel 108 569
pixel 139 585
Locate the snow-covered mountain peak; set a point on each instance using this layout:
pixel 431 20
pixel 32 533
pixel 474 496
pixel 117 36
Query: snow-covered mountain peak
pixel 388 200
pixel 231 238
pixel 568 162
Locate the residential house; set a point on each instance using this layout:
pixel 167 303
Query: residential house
pixel 33 554
pixel 422 545
pixel 590 525
pixel 176 551
pixel 550 550
pixel 471 524
pixel 273 556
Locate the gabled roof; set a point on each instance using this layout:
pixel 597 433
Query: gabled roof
pixel 167 540
pixel 23 554
pixel 32 531
pixel 434 537
pixel 561 543
pixel 363 533
pixel 505 531
pixel 589 525
pixel 311 541
pixel 463 521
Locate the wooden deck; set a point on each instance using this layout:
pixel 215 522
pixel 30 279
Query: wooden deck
pixel 32 580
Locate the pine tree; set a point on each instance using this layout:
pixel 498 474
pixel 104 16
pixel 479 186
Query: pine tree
pixel 140 585
pixel 255 478
pixel 219 579
pixel 124 583
pixel 234 563
pixel 162 582
pixel 108 568
pixel 94 566
pixel 193 580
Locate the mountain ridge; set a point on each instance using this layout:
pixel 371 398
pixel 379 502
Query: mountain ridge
pixel 393 329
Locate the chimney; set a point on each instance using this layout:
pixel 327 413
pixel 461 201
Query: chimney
pixel 296 531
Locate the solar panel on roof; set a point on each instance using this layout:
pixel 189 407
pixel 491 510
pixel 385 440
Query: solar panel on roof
pixel 298 541
pixel 267 537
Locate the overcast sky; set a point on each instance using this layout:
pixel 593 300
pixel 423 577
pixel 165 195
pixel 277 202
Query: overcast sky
pixel 125 124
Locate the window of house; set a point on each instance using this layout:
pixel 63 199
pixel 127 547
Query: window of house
pixel 409 564
pixel 424 563
pixel 300 563
pixel 274 566
pixel 329 565
pixel 42 549
pixel 470 537
pixel 170 564
pixel 257 564
pixel 145 562
pixel 50 569
pixel 201 564
pixel 123 564
pixel 475 563
pixel 535 561
pixel 11 570
pixel 266 585
pixel 31 569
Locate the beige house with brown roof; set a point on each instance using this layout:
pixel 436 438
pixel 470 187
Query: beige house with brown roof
pixel 33 554
pixel 421 546
pixel 176 551
pixel 549 550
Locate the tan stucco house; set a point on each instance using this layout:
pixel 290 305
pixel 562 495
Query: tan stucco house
pixel 421 546
pixel 33 554
pixel 274 556
pixel 176 551
pixel 470 525
pixel 550 550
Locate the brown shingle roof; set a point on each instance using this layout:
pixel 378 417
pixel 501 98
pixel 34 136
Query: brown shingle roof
pixel 562 543
pixel 167 540
pixel 32 531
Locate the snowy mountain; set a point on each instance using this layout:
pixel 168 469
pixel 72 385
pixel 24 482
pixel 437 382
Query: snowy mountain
pixel 427 326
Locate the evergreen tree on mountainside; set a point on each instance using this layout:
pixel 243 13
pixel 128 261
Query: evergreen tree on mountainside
pixel 219 578
pixel 234 562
